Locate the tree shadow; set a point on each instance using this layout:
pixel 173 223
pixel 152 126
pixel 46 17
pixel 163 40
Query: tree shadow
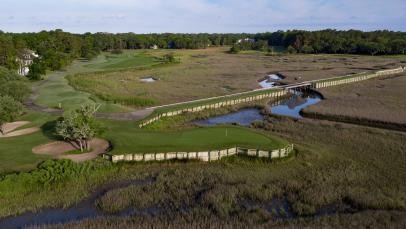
pixel 49 130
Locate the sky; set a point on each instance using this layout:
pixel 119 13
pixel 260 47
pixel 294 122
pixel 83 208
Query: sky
pixel 195 16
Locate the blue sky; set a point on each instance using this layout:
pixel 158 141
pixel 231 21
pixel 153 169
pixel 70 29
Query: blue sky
pixel 193 16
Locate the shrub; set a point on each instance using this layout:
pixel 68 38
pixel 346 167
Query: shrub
pixel 116 51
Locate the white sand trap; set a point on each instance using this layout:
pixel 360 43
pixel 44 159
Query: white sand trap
pixel 57 150
pixel 10 127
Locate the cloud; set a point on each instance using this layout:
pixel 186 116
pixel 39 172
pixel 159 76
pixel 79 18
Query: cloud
pixel 143 16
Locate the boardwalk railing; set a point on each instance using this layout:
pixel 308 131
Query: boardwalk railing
pixel 209 155
pixel 258 94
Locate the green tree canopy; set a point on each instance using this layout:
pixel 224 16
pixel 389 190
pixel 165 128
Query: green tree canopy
pixel 18 90
pixel 13 85
pixel 80 126
pixel 10 109
pixel 37 69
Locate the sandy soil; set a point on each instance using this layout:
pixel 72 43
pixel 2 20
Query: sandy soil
pixel 57 150
pixel 10 127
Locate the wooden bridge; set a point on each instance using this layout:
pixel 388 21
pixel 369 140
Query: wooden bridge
pixel 302 85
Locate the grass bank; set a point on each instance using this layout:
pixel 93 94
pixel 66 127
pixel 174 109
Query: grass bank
pixel 16 152
pixel 336 165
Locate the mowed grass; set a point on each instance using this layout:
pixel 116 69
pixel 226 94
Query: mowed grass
pixel 337 165
pixel 129 59
pixel 16 152
pixel 214 72
pixel 127 138
pixel 57 90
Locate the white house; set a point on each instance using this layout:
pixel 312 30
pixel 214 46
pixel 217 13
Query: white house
pixel 25 60
pixel 246 40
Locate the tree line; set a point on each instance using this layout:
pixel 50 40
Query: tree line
pixel 342 42
pixel 13 91
pixel 58 48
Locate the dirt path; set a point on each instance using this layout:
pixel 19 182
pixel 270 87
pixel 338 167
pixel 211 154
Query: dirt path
pixel 58 150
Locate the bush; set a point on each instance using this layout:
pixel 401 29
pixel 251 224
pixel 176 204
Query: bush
pixel 235 49
pixel 8 75
pixel 291 50
pixel 18 90
pixel 116 51
pixel 10 109
pixel 170 58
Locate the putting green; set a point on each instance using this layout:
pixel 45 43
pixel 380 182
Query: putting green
pixel 126 138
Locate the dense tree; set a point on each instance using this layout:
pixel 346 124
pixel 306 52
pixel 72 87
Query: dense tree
pixel 36 69
pixel 7 52
pixel 79 126
pixel 58 48
pixel 10 109
pixel 8 75
pixel 13 85
pixel 16 89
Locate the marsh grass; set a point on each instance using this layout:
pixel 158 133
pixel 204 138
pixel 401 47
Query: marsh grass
pixel 335 164
pixel 380 102
pixel 216 73
pixel 185 120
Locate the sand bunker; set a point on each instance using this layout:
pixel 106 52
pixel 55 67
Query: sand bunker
pixel 58 150
pixel 10 127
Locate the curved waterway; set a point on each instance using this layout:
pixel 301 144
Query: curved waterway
pixel 84 210
pixel 290 107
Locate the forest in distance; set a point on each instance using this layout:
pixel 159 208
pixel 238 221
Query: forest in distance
pixel 57 48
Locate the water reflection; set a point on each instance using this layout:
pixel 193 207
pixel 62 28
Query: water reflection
pixel 243 117
pixel 267 82
pixel 287 107
pixel 292 106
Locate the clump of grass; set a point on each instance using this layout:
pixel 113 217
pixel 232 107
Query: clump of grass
pixel 77 151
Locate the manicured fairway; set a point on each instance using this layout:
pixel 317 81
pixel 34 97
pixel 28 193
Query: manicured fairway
pixel 129 59
pixel 128 139
pixel 58 91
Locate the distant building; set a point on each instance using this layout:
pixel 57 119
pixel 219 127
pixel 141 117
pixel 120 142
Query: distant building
pixel 154 47
pixel 24 61
pixel 246 40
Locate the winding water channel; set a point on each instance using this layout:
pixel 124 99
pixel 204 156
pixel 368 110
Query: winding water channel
pixel 86 209
pixel 290 107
